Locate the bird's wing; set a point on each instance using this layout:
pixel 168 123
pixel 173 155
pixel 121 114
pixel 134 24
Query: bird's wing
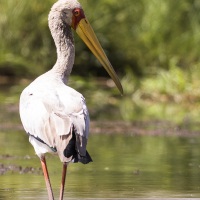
pixel 52 115
pixel 72 111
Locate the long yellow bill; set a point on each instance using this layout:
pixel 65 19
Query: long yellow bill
pixel 86 33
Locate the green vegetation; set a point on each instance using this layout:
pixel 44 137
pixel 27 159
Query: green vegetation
pixel 140 35
pixel 152 44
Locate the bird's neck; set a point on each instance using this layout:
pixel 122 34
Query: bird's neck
pixel 63 38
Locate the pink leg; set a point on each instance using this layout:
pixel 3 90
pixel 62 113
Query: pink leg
pixel 63 181
pixel 46 177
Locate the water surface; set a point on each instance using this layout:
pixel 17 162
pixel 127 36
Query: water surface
pixel 124 166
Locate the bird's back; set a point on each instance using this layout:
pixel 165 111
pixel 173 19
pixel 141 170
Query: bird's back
pixel 56 119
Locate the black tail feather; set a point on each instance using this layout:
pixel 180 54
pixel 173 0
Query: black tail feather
pixel 71 151
pixel 85 159
pixel 82 159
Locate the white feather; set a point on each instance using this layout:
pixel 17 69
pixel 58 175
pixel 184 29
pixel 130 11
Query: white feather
pixel 50 110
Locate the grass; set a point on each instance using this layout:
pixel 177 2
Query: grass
pixel 171 95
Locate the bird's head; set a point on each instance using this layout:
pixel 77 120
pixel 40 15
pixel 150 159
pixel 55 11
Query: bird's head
pixel 73 15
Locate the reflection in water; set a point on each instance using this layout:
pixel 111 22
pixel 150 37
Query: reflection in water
pixel 123 167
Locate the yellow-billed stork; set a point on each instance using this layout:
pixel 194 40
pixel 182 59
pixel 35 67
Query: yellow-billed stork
pixel 55 116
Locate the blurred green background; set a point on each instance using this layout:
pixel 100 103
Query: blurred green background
pixel 153 45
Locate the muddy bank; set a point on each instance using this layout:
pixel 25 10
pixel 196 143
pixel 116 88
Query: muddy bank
pixel 10 121
pixel 18 169
pixel 13 168
pixel 145 128
pixel 128 128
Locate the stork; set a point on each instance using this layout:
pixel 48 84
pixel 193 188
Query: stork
pixel 54 115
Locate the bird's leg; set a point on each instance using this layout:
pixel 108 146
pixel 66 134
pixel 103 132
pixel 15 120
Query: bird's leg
pixel 63 180
pixel 46 177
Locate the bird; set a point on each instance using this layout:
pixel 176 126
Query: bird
pixel 54 115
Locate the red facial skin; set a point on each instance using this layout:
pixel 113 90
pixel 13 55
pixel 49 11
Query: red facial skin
pixel 78 14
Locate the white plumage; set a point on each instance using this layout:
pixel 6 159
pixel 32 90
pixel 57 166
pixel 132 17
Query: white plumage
pixel 50 109
pixel 55 116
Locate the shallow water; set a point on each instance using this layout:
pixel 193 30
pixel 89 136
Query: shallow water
pixel 124 167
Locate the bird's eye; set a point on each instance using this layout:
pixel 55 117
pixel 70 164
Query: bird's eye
pixel 76 12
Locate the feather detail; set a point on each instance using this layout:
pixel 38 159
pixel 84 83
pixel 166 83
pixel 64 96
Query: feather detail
pixel 56 120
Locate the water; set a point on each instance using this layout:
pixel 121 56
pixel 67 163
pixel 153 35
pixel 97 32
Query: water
pixel 124 167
